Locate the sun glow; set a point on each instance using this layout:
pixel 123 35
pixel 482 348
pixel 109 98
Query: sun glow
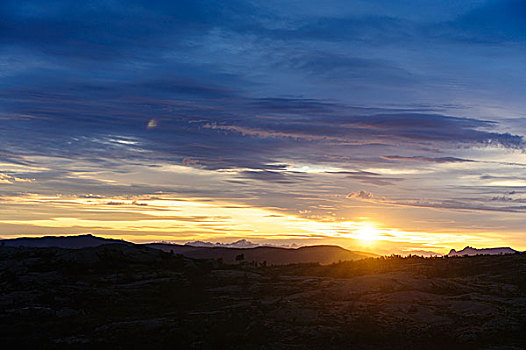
pixel 165 218
pixel 367 233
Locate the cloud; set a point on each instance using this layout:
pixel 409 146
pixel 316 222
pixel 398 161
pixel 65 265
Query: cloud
pixel 240 93
pixel 102 30
pixel 273 176
pixel 429 159
pixel 227 132
pixel 369 177
pixel 467 204
pixel 361 195
pixel 379 128
pixel 492 22
pixel 10 179
pixel 151 124
pixel 158 71
pixel 511 202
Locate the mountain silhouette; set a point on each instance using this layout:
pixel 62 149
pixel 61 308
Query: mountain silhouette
pixel 240 251
pixel 242 243
pixel 322 254
pixel 484 251
pixel 71 242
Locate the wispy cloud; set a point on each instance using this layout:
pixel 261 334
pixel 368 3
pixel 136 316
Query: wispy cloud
pixel 271 105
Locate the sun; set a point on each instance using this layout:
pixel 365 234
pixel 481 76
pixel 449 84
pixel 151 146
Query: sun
pixel 367 233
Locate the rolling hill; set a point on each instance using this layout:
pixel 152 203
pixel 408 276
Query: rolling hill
pixel 71 242
pixel 323 254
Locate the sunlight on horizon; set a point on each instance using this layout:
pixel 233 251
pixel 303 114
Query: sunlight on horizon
pixel 181 220
pixel 368 234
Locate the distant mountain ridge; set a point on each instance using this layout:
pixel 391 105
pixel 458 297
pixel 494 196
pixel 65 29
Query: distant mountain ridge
pixel 236 252
pixel 322 254
pixel 70 242
pixel 242 243
pixel 484 251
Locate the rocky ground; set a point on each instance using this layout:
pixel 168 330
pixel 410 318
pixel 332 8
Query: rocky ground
pixel 135 297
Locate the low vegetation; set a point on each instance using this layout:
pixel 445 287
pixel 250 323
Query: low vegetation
pixel 131 296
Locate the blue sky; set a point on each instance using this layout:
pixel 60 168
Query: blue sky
pixel 407 115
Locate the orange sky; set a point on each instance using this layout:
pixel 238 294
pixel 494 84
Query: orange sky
pixel 164 218
pixel 375 125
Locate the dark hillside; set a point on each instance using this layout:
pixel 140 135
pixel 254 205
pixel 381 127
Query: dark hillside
pixel 269 255
pixel 129 296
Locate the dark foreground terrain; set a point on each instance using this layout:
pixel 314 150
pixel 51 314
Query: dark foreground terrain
pixel 127 296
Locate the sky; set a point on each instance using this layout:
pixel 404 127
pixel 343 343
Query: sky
pixel 385 126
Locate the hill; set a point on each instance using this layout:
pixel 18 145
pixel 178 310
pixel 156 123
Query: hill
pixel 131 296
pixel 322 254
pixel 230 254
pixel 70 242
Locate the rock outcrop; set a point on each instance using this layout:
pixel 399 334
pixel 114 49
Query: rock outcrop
pixel 484 251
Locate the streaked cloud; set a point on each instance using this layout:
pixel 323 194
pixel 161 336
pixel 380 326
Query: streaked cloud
pixel 307 114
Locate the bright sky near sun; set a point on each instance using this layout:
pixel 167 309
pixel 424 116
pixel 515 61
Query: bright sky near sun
pixel 376 125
